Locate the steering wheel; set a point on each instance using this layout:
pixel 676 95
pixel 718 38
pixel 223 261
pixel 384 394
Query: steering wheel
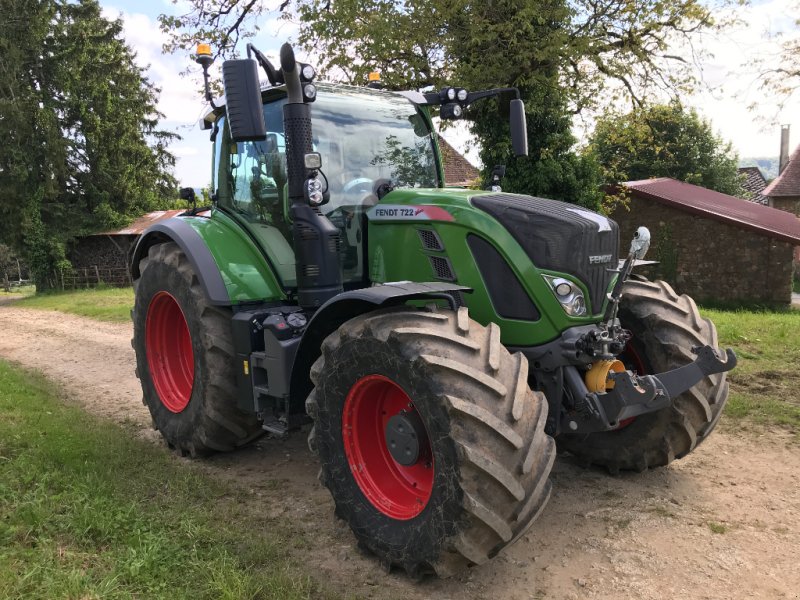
pixel 361 185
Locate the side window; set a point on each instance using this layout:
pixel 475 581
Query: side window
pixel 251 176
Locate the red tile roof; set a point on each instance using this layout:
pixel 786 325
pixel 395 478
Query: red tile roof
pixel 457 169
pixel 788 182
pixel 143 222
pixel 694 199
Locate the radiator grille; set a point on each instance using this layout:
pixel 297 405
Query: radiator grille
pixel 442 268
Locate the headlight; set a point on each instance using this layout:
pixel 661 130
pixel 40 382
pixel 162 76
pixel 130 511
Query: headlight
pixel 568 294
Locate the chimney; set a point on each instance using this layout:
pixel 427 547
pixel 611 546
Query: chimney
pixel 784 156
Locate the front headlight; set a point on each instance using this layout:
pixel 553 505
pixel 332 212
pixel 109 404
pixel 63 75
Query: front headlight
pixel 568 294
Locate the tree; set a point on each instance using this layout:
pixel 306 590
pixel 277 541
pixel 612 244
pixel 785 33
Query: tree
pixel 780 75
pixel 81 147
pixel 664 140
pixel 560 53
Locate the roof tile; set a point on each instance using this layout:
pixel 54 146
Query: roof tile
pixel 788 182
pixel 777 224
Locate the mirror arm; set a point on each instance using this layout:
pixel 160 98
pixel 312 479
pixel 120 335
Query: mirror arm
pixel 275 76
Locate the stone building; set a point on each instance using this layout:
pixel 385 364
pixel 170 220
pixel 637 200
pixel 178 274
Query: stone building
pixel 753 183
pixel 712 246
pixel 458 171
pixel 784 191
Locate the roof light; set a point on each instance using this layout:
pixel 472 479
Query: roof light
pixel 203 49
pixel 374 76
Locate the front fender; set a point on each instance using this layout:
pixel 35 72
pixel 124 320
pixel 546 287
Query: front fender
pixel 344 307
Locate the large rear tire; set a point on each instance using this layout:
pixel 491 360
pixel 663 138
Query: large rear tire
pixel 185 358
pixel 665 327
pixel 482 457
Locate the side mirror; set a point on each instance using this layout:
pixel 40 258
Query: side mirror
pixel 243 98
pixel 187 194
pixel 519 128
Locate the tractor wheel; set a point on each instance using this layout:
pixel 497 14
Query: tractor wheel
pixel 665 327
pixel 431 442
pixel 185 359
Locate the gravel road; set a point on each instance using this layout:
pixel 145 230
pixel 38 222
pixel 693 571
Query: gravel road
pixel 722 523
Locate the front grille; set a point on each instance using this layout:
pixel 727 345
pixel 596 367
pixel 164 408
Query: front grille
pixel 442 268
pixel 560 237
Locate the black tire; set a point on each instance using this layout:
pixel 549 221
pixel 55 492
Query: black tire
pixel 491 457
pixel 665 327
pixel 211 421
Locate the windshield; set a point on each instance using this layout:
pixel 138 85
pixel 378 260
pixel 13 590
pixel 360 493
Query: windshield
pixel 365 138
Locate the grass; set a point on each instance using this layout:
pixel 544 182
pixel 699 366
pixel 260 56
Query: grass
pixel 103 304
pixel 765 385
pixel 27 290
pixel 86 511
pixel 717 527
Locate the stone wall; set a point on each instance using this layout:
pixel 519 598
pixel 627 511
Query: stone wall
pixel 709 260
pixel 789 203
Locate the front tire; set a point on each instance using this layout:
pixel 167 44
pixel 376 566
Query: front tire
pixel 185 358
pixel 665 327
pixel 482 459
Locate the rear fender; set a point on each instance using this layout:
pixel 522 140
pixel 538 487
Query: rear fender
pixel 195 249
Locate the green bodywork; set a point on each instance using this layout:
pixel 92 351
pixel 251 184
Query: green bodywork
pixel 396 254
pixel 244 266
pixel 258 266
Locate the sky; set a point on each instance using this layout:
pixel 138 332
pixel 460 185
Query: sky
pixel 729 85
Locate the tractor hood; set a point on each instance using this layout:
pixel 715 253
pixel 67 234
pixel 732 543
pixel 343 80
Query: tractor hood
pixel 560 237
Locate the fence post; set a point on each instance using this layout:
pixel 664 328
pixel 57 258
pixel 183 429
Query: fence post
pixel 97 272
pixel 62 279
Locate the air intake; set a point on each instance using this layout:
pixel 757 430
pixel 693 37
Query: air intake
pixel 430 240
pixel 442 268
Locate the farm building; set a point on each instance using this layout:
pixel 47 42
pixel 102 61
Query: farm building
pixel 104 257
pixel 458 171
pixel 753 183
pixel 784 191
pixel 710 245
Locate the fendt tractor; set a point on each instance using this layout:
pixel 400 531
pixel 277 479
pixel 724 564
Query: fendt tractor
pixel 439 343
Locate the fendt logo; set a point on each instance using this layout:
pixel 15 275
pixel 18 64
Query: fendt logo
pixel 599 259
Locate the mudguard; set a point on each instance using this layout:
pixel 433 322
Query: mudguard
pixel 230 267
pixel 350 304
pixel 195 249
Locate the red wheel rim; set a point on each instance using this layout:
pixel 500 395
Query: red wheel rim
pixel 169 352
pixel 397 491
pixel 631 359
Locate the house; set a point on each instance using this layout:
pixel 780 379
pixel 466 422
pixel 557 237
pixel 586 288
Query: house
pixel 784 191
pixel 710 245
pixel 458 171
pixel 104 257
pixel 753 182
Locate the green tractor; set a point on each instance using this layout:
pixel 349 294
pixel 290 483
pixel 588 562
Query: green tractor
pixel 439 343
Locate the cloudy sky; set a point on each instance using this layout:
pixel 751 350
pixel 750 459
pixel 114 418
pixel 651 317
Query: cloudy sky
pixel 730 85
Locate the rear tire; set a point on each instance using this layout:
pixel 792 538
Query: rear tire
pixel 198 414
pixel 484 429
pixel 665 327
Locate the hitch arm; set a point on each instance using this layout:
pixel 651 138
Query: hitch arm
pixel 634 395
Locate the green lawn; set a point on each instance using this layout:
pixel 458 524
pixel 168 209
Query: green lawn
pixel 86 511
pixel 765 386
pixel 104 304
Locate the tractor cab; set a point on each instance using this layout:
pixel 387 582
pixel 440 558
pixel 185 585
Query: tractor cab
pixel 367 139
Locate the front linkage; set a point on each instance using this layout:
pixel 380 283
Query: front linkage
pixel 598 392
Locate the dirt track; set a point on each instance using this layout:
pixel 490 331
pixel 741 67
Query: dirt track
pixel 633 536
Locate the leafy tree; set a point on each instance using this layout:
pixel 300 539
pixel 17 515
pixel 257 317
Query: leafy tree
pixel 560 53
pixel 81 147
pixel 664 140
pixel 780 75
